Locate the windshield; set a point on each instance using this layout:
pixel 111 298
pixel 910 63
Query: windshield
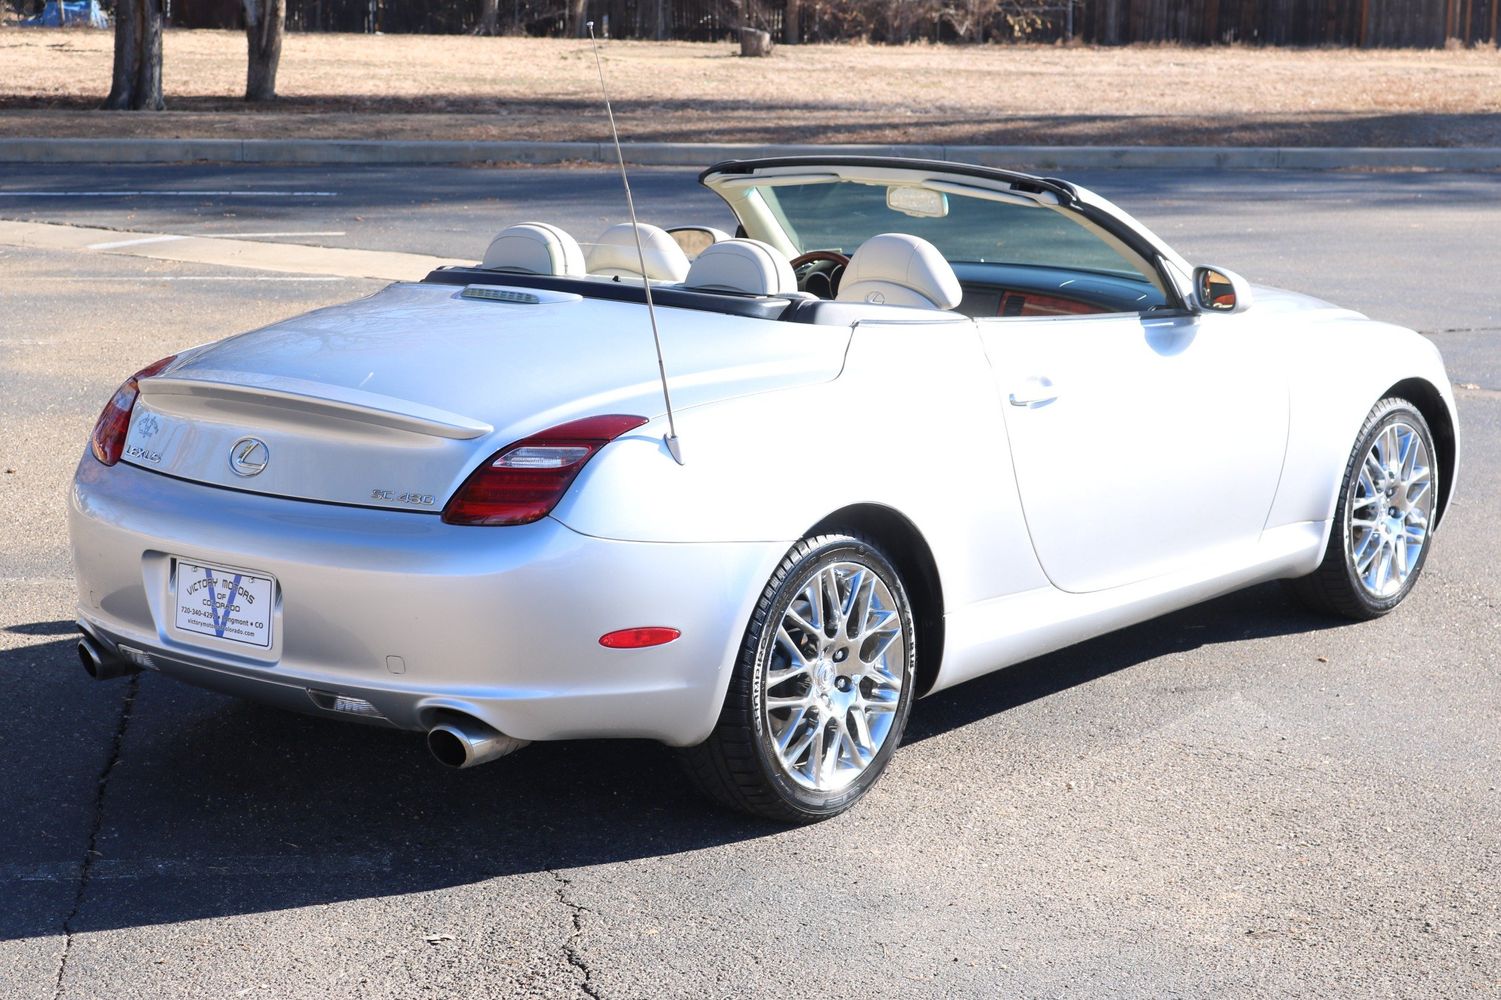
pixel 840 216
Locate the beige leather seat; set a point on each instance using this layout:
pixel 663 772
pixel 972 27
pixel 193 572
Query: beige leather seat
pixel 535 248
pixel 899 270
pixel 614 254
pixel 748 267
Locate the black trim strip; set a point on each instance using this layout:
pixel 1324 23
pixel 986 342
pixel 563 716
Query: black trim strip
pixel 670 296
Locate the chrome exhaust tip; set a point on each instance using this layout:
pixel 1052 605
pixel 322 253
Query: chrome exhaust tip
pixel 460 741
pixel 100 665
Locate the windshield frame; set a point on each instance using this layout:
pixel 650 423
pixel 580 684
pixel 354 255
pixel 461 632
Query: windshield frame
pixel 735 181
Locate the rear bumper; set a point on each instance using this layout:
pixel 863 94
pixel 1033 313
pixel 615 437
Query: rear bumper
pixel 416 616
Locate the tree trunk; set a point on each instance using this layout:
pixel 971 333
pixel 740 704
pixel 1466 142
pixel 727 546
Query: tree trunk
pixel 578 17
pixel 137 83
pixel 755 42
pixel 265 21
pixel 791 30
pixel 489 18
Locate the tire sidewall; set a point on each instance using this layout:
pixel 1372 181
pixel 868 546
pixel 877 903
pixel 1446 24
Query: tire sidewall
pixel 1387 412
pixel 760 638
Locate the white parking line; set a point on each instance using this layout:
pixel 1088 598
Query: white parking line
pixel 206 236
pixel 132 243
pixel 225 251
pixel 267 236
pixel 168 194
pixel 186 277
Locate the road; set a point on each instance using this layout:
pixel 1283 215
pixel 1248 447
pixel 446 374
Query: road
pixel 1238 800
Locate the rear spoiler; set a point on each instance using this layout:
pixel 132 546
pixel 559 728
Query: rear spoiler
pixel 319 399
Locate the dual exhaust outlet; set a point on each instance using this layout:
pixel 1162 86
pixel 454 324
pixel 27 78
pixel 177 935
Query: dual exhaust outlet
pixel 456 740
pixel 101 664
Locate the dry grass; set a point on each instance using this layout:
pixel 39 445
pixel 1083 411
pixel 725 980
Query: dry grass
pixel 405 86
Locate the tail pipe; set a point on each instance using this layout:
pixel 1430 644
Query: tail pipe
pixel 461 741
pixel 101 664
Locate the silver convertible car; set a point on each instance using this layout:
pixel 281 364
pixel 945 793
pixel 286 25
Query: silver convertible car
pixel 915 422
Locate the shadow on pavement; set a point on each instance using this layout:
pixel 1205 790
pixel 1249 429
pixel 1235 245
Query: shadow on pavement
pixel 216 807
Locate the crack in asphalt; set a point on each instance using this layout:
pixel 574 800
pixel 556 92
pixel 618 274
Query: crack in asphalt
pixel 87 868
pixel 570 947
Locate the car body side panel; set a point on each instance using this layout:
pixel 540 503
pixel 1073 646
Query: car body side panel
pixel 1148 442
pixel 1339 369
pixel 913 423
pixel 992 634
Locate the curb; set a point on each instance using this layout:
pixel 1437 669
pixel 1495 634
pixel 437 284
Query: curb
pixel 685 154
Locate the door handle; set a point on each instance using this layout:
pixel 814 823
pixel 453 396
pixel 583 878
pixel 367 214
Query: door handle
pixel 1035 391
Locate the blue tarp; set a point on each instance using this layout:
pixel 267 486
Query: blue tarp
pixel 80 13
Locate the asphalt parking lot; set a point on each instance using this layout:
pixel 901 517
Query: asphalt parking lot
pixel 1238 800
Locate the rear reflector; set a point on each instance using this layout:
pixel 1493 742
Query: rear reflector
pixel 638 638
pixel 137 657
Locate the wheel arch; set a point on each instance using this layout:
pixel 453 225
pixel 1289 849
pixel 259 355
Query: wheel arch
pixel 1430 403
pixel 907 547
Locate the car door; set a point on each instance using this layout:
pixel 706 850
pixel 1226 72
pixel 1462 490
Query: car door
pixel 1140 445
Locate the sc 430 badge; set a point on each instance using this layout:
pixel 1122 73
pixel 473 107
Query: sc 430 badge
pixel 415 499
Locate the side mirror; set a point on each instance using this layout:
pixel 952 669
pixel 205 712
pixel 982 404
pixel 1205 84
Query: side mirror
pixel 1217 290
pixel 694 240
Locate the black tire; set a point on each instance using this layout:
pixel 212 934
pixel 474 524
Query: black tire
pixel 737 765
pixel 1335 587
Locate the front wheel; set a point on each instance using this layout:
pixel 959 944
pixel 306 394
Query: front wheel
pixel 1383 523
pixel 821 690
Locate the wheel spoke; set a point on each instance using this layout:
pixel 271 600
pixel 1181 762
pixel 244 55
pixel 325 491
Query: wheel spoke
pixel 784 738
pixel 828 585
pixel 867 745
pixel 828 751
pixel 786 642
pixel 850 747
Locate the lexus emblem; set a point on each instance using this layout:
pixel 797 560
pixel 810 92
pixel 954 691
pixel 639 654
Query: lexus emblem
pixel 248 457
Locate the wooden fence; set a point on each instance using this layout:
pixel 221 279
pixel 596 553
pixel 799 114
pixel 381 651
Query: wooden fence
pixel 1362 23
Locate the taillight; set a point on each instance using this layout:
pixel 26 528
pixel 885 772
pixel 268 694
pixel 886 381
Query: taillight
pixel 522 482
pixel 114 421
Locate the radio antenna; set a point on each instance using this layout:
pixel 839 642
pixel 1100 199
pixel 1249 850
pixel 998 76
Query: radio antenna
pixel 673 447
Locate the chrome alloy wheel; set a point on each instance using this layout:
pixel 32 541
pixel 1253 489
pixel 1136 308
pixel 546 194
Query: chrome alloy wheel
pixel 1389 509
pixel 833 681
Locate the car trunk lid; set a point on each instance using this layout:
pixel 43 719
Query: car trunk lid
pixel 391 401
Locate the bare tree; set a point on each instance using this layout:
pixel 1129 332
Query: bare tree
pixel 489 18
pixel 265 22
pixel 137 82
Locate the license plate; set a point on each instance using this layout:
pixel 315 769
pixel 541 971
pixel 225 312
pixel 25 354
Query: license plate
pixel 224 603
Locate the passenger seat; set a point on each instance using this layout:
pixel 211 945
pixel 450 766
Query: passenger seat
pixel 535 248
pixel 899 270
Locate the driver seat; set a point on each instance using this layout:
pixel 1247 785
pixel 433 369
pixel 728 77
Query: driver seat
pixel 895 269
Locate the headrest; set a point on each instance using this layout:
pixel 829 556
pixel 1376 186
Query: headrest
pixel 535 248
pixel 900 270
pixel 746 266
pixel 614 254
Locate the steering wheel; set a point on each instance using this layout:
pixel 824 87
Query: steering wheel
pixel 814 256
pixel 819 271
